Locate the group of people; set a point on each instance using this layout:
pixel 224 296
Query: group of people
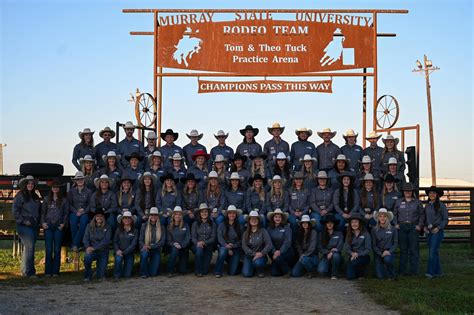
pixel 306 208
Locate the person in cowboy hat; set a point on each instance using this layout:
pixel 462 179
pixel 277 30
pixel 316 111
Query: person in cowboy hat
pixel 169 196
pixel 111 168
pixel 330 246
pixel 229 240
pixel 351 149
pixel 129 144
pixel 203 236
pixel 105 146
pixel 145 197
pixel 306 247
pixel 105 199
pixel 249 147
pixel 26 211
pixel 302 147
pixel 258 166
pixel 374 151
pixel 150 148
pixel 346 198
pixel 341 166
pixel 367 167
pixel 309 170
pixel 178 169
pixel 390 192
pixel 299 200
pixel 220 168
pixel 192 147
pixel 370 199
pixel 88 169
pixel 155 166
pixel 256 244
pixel 83 148
pixel 199 168
pixel 169 148
pixel 283 169
pixel 327 151
pixel 54 217
pixel 125 242
pixel 435 223
pixel 281 237
pixel 235 194
pixel 134 169
pixel 277 197
pixel 191 197
pixel 276 144
pixel 321 200
pixel 255 197
pixel 357 247
pixel 391 151
pixel 97 238
pixel 214 197
pixel 126 195
pixel 178 237
pixel 409 217
pixel 384 243
pixel 79 199
pixel 151 241
pixel 239 166
pixel 394 169
pixel 222 148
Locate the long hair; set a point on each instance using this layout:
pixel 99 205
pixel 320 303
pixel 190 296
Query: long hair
pixel 143 193
pixel 59 201
pixel 199 220
pixel 93 226
pixel 303 234
pixel 350 233
pixel 283 222
pixel 236 226
pixel 189 191
pixel 385 192
pixel 260 170
pixel 216 192
pixel 350 197
pixel 397 153
pixel 173 188
pixel 122 228
pixel 364 199
pixel 233 168
pixel 86 173
pixel 130 197
pixel 173 223
pixel 273 193
pixel 386 226
pixel 284 173
pixel 248 231
pixel 325 237
pixel 83 142
pixel 27 195
pixel 261 192
pixel 148 229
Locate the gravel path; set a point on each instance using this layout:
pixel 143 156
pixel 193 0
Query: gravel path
pixel 188 294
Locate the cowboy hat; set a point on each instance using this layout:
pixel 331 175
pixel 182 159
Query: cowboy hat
pixel 306 218
pixel 200 153
pixel 357 216
pixel 234 175
pixel 168 176
pixel 252 214
pixel 257 177
pixel 408 187
pixel 368 177
pixel 350 133
pixel 373 135
pixel 271 214
pixel 212 174
pixel 276 178
pixel 329 218
pixel 134 155
pixel 25 180
pixel 203 206
pixel 392 160
pixel 366 159
pixel 124 178
pixel 219 158
pixel 79 175
pixel 241 157
pixel 155 153
pixel 110 154
pixel 177 209
pixel 262 156
pixel 151 135
pixel 129 125
pixel 176 157
pixel 341 157
pixel 322 175
pixel 309 132
pixel 282 156
pixel 327 130
pixel 99 211
pixel 107 129
pixel 231 208
pixel 383 211
pixel 126 214
pixel 102 178
pixel 86 158
pixel 194 133
pixel 298 175
pixel 150 175
pixel 190 176
pixel 56 182
pixel 221 133
pixel 275 126
pixel 249 127
pixel 346 174
pixel 389 178
pixel 308 157
pixel 437 190
pixel 169 132
pixel 154 210
pixel 390 137
pixel 85 131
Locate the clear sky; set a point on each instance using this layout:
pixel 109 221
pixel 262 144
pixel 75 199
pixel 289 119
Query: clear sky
pixel 67 65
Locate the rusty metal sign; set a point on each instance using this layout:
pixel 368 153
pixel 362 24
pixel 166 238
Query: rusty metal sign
pixel 267 46
pixel 264 86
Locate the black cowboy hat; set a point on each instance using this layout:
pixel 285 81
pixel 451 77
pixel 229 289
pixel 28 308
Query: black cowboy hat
pixel 135 155
pixel 389 178
pixel 437 190
pixel 357 216
pixel 329 218
pixel 239 156
pixel 249 127
pixel 346 174
pixel 168 176
pixel 257 176
pixel 124 178
pixel 190 176
pixel 263 156
pixel 169 132
pixel 98 211
pixel 408 187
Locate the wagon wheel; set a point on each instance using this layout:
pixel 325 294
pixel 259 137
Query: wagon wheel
pixel 145 110
pixel 387 111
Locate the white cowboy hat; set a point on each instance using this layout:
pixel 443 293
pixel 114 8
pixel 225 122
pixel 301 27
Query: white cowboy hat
pixel 79 175
pixel 327 130
pixel 271 214
pixel 304 129
pixel 107 129
pixel 151 135
pixel 194 133
pixel 390 137
pixel 86 158
pixel 219 158
pixel 22 182
pixel 110 154
pixel 234 175
pixel 231 208
pixel 155 153
pixel 373 135
pixel 126 214
pixel 252 214
pixel 306 218
pixel 129 125
pixel 275 126
pixel 350 133
pixel 153 177
pixel 276 177
pixel 176 209
pixel 212 174
pixel 383 211
pixel 102 178
pixel 322 175
pixel 307 157
pixel 392 160
pixel 203 206
pixel 221 133
pixel 366 159
pixel 85 131
pixel 368 177
pixel 154 210
pixel 282 156
pixel 341 157
pixel 176 157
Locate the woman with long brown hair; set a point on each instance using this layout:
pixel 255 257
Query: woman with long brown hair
pixel 370 200
pixel 256 244
pixel 330 246
pixel 229 238
pixel 105 199
pixel 357 247
pixel 256 197
pixel 203 235
pixel 125 243
pixel 214 197
pixel 145 197
pixel 306 247
pixel 191 197
pixel 281 237
pixel 83 148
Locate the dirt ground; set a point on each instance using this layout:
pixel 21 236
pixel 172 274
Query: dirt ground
pixel 188 294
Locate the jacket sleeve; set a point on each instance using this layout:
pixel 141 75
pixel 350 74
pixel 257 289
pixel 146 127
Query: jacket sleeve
pixel 141 241
pixel 313 243
pixel 330 206
pixel 17 208
pixel 245 247
pixel 307 203
pixel 159 202
pixel 116 241
pixel 212 240
pixel 71 202
pixel 130 249
pixel 44 209
pixel 421 214
pixel 286 202
pixel 162 238
pixel 356 207
pixel 335 201
pixel 367 245
pixel 86 238
pixel 323 250
pixel 395 212
pixel 92 205
pixel 65 212
pixel 113 209
pixel 169 237
pixel 444 216
pixel 105 242
pixel 395 241
pixel 340 243
pixel 347 248
pixel 377 250
pixel 220 235
pixel 287 240
pixel 268 243
pixel 75 157
pixel 312 201
pixel 194 237
pixel 138 198
pixel 187 238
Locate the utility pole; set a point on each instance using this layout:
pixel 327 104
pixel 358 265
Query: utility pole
pixel 427 68
pixel 2 145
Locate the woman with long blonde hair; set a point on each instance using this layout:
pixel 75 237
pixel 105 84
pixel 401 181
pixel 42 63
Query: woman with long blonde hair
pixel 214 197
pixel 169 196
pixel 384 243
pixel 178 239
pixel 152 239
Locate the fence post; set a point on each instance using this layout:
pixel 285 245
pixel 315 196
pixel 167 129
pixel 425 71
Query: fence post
pixel 471 217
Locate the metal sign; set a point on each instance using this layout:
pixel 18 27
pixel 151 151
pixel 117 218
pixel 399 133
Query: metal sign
pixel 264 86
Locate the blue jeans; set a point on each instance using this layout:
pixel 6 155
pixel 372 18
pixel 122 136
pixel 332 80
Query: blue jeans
pixel 434 242
pixel 181 254
pixel 281 265
pixel 202 260
pixel 220 218
pixel 53 237
pixel 293 220
pixel 102 258
pixel 28 235
pixel 232 261
pixel 251 265
pixel 112 221
pixel 334 264
pixel 356 268
pixel 150 262
pixel 78 227
pixel 308 263
pixel 409 242
pixel 123 266
pixel 384 266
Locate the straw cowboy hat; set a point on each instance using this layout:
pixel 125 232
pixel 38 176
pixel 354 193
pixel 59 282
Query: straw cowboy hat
pixel 350 133
pixel 231 208
pixel 153 177
pixel 169 132
pixel 437 190
pixel 200 153
pixel 221 133
pixel 219 158
pixel 390 137
pixel 306 218
pixel 107 129
pixel 134 155
pixel 373 135
pixel 154 154
pixel 103 178
pixel 234 175
pixel 176 157
pixel 275 126
pixel 383 211
pixel 22 183
pixel 110 154
pixel 249 127
pixel 389 178
pixel 129 125
pixel 308 157
pixel 282 156
pixel 309 132
pixel 126 214
pixel 79 175
pixel 168 176
pixel 327 130
pixel 252 214
pixel 190 176
pixel 194 133
pixel 151 135
pixel 86 158
pixel 271 214
pixel 257 177
pixel 85 131
pixel 366 159
pixel 241 157
pixel 329 218
pixel 154 211
pixel 322 175
pixel 124 178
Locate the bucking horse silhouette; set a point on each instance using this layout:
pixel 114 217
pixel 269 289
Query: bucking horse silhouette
pixel 187 47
